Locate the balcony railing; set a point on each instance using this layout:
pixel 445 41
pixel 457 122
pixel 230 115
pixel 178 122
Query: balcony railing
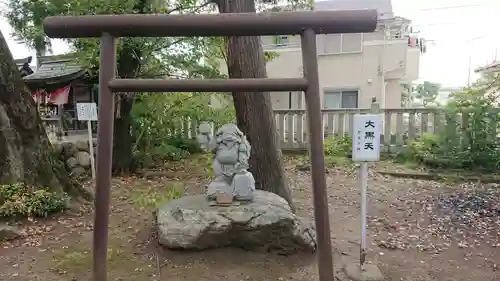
pixel 282 46
pixel 417 43
pixel 296 45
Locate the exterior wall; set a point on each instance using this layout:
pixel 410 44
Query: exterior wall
pixel 336 72
pixel 287 65
pixel 395 58
pixel 412 65
pixel 354 69
pixel 393 90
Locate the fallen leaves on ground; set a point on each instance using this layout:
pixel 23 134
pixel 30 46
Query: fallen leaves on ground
pixel 406 217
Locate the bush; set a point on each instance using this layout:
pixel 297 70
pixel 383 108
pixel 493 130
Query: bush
pixel 158 155
pixel 473 144
pixel 435 152
pixel 161 121
pixel 166 152
pixel 20 200
pixel 338 146
pixel 189 145
pixel 421 149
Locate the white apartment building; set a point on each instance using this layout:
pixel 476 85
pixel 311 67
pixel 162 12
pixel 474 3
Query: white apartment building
pixel 353 68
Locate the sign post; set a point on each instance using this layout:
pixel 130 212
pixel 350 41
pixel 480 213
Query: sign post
pixel 87 111
pixel 365 148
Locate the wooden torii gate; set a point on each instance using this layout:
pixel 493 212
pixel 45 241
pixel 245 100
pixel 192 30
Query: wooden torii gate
pixel 307 24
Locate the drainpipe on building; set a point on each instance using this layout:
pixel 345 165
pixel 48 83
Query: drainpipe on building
pixel 382 74
pixel 382 69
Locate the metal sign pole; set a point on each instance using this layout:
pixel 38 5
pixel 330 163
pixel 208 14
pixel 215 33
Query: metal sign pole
pixel 363 178
pixel 91 149
pixel 365 149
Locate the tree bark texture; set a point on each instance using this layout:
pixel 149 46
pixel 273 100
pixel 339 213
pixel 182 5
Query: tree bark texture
pixel 25 151
pixel 245 59
pixel 128 67
pixel 122 144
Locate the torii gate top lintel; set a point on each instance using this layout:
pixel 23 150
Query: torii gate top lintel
pixel 231 24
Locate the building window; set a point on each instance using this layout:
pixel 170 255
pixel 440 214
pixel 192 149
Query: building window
pixel 340 99
pixel 281 40
pixel 331 44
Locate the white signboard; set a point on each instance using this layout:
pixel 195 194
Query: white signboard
pixel 86 111
pixel 366 138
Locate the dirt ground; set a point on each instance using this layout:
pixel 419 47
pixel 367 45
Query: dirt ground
pixel 418 231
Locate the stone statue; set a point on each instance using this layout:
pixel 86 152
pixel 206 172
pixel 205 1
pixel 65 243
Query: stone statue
pixel 204 137
pixel 231 153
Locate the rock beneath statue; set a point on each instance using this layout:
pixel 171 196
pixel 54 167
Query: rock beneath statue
pixel 264 224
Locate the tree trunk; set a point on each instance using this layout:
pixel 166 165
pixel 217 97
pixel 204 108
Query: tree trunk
pixel 122 148
pixel 254 114
pixel 25 151
pixel 128 67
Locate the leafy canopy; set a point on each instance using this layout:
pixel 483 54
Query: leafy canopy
pixel 427 91
pixel 137 57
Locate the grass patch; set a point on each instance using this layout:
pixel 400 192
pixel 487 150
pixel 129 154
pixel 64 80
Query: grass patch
pixel 151 198
pixel 412 165
pixel 202 163
pixel 200 160
pixel 396 166
pixel 76 260
pixel 334 161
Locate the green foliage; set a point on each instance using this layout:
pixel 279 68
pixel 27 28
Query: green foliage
pixel 163 124
pixel 158 155
pixel 152 199
pixel 156 118
pixel 19 200
pixel 421 150
pixel 427 92
pixel 180 58
pixel 470 138
pixel 269 56
pixel 335 161
pixel 338 146
pixel 189 145
pixel 165 152
pixel 137 57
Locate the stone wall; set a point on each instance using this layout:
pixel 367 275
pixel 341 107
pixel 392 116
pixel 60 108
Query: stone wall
pixel 76 156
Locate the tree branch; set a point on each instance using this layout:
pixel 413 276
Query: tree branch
pixel 195 8
pixel 168 45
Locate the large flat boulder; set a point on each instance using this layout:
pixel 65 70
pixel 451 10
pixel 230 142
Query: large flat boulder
pixel 265 224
